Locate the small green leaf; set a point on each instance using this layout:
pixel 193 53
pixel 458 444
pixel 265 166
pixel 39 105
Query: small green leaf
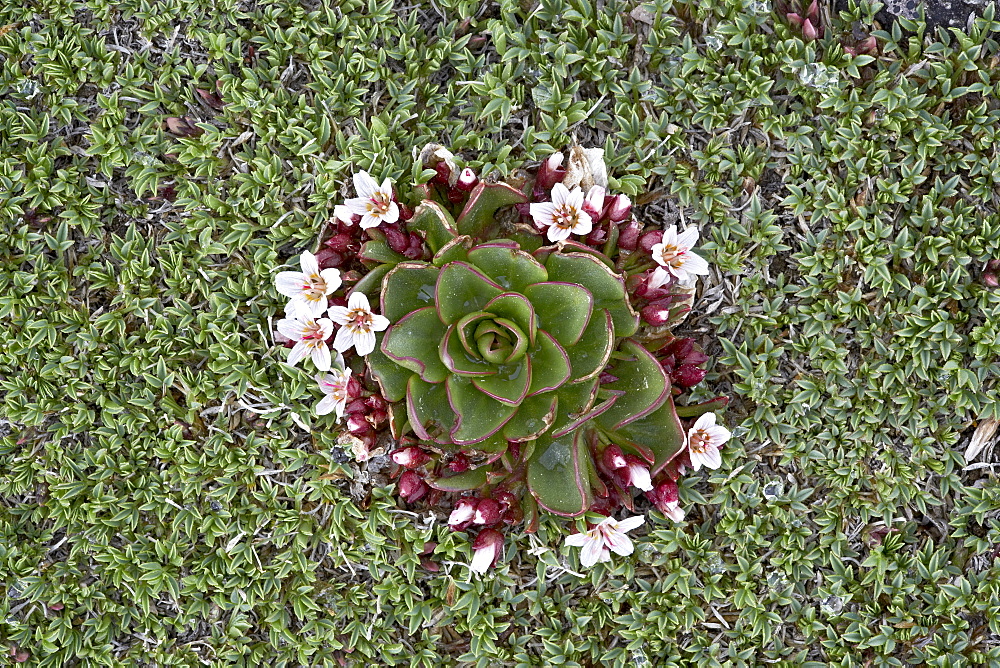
pixel 533 418
pixel 391 377
pixel 484 201
pixel 591 353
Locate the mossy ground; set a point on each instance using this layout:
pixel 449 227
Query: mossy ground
pixel 160 506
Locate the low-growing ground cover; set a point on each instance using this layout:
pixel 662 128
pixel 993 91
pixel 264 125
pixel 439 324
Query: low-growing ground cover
pixel 161 499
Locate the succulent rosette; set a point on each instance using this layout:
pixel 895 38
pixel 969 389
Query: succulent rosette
pixel 522 357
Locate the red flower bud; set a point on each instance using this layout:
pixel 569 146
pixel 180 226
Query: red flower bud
pixel 650 239
pixel 550 172
pixel 327 258
pixel 411 457
pixel 688 375
pixel 628 238
pixel 354 388
pixel 358 425
pixel 656 315
pixel 397 241
pixel 613 457
pixel 809 31
pixel 405 212
pixel 339 242
pixel 459 463
pixel 487 547
pixel 412 487
pixel 593 204
pixel 356 407
pixel 597 235
pixel 443 173
pixel 487 512
pixel 665 497
pixel 619 209
pixel 467 180
pixel 415 250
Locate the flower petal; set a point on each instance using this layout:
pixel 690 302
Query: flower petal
pixel 593 551
pixel 326 405
pixel 338 314
pixel 358 300
pixel 391 214
pixel 577 540
pixel 344 339
pixel 379 322
pixel 364 342
pixel 370 220
pixel 584 224
pixel 300 350
pixel 343 214
pixel 712 458
pixel 557 233
pixel 364 185
pixel 560 193
pixel 321 357
pixel 688 239
pixel 290 327
pixel 630 523
pixel 620 544
pixel 290 283
pixel 358 206
pixel 695 264
pixel 659 277
pixel 332 279
pixel 307 261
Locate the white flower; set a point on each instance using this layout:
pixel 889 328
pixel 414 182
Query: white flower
pixel 564 215
pixel 487 548
pixel 344 214
pixel 674 256
pixel 639 475
pixel 307 288
pixel 334 387
pixel 358 324
pixel 310 336
pixel 703 441
pixel 606 537
pixel 374 202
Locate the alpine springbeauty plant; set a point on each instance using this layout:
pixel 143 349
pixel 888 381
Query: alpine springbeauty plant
pixel 513 345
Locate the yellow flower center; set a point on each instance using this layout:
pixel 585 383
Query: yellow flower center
pixel 359 320
pixel 379 203
pixel 565 217
pixel 672 256
pixel 699 441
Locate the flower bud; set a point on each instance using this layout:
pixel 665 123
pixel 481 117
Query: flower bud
pixel 613 458
pixel 688 375
pixel 467 180
pixel 410 457
pixel 397 241
pixel 459 463
pixel 510 508
pixel 462 515
pixel 597 235
pixel 354 388
pixel 809 31
pixel 628 238
pixel 656 314
pixel 650 239
pixel 487 549
pixel 665 497
pixel 358 425
pixel 990 279
pixel 619 209
pixel 412 487
pixel 415 251
pixel 327 259
pixel 443 173
pixel 487 512
pixel 339 242
pixel 593 205
pixel 550 171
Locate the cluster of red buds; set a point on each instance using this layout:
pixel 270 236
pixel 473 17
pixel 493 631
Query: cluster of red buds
pixel 499 507
pixel 806 18
pixel 683 361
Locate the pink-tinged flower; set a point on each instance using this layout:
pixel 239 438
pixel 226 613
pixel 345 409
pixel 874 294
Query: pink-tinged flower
pixel 551 171
pixel 358 324
pixel 704 440
pixel 310 335
pixel 606 537
pixel 487 512
pixel 675 257
pixel 666 499
pixel 374 202
pixel 593 205
pixel 307 288
pixel 638 473
pixel 334 387
pixel 487 549
pixel 410 457
pixel 463 513
pixel 564 215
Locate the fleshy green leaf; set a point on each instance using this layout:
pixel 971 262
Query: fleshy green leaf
pixel 414 341
pixel 591 353
pixel 460 482
pixel 462 289
pixel 558 476
pixel 456 250
pixel 517 308
pixel 458 360
pixel 645 384
pixel 377 250
pixel 511 268
pixel 575 399
pixel 479 416
pixel 533 418
pixel 562 309
pixel 509 385
pixel 484 201
pixel 436 224
pixel 607 287
pixel 661 432
pixel 371 283
pixel 427 407
pixel 550 364
pixel 408 287
pixel 391 377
